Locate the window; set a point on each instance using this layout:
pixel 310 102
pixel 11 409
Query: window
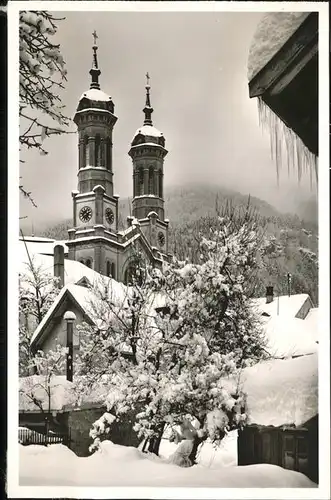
pixel 113 269
pixel 108 271
pixel 160 185
pixel 97 151
pixel 141 182
pixel 151 181
pixel 133 274
pixel 88 263
pixel 86 152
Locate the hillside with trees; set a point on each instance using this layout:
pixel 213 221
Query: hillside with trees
pixel 192 211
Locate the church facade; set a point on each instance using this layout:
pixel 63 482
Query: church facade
pixel 95 239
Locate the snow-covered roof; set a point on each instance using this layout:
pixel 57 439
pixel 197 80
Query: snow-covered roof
pixel 288 337
pixel 88 302
pixel 282 392
pixel 40 245
pixel 74 271
pixel 95 95
pixel 283 305
pixel 148 130
pixel 311 320
pixel 272 32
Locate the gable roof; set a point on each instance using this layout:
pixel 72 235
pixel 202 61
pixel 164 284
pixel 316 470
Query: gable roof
pixel 284 305
pixel 84 299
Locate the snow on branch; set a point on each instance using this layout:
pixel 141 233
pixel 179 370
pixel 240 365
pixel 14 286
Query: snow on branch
pixel 42 75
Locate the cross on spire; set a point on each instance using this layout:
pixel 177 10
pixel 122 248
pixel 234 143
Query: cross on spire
pixel 148 110
pixel 94 71
pixel 95 37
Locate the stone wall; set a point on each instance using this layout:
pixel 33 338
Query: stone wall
pixel 80 422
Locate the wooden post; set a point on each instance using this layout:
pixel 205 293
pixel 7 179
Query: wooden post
pixel 70 317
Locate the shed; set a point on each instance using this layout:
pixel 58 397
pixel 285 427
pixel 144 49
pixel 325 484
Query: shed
pixel 282 403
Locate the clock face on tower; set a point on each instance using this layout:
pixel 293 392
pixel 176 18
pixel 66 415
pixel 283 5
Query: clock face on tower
pixel 109 215
pixel 85 214
pixel 161 239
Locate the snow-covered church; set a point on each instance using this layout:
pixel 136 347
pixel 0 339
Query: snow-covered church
pixel 95 239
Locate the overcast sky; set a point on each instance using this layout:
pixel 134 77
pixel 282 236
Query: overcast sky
pixel 198 65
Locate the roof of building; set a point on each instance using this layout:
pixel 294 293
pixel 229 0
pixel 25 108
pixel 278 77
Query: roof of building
pixel 95 95
pixel 284 305
pixel 74 271
pixel 272 32
pixel 290 337
pixel 282 392
pixel 88 301
pixel 36 244
pixel 149 131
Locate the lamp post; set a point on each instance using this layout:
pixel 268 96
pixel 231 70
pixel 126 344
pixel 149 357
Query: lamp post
pixel 70 317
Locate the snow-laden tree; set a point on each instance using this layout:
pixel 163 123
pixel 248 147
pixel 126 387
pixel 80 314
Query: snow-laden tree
pixel 40 388
pixel 37 292
pixel 42 74
pixel 173 349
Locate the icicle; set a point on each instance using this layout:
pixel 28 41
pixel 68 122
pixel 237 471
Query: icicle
pixel 295 154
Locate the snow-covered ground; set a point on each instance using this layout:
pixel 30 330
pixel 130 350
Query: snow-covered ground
pixel 208 456
pixel 116 465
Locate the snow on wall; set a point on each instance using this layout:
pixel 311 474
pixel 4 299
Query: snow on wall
pixel 282 392
pixel 271 34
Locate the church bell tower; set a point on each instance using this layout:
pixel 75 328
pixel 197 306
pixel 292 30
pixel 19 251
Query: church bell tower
pixel 148 152
pixel 95 208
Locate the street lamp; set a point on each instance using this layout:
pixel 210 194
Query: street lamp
pixel 70 317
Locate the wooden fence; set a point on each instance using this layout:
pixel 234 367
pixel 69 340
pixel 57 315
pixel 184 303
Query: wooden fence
pixel 28 436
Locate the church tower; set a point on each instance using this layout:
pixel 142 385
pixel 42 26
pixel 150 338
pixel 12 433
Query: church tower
pixel 148 152
pixel 95 207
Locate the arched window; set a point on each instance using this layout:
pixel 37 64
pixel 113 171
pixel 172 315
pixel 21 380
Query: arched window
pixel 86 152
pixel 151 181
pixel 141 182
pixel 134 273
pixel 81 261
pixel 108 266
pixel 97 151
pixel 88 263
pixel 113 269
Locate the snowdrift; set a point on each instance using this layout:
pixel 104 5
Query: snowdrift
pixel 115 465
